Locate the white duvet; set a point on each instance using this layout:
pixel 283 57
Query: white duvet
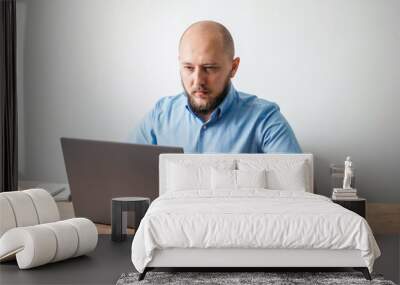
pixel 251 218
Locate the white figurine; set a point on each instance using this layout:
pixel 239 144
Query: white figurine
pixel 348 173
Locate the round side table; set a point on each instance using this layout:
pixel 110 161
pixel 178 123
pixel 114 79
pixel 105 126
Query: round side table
pixel 119 208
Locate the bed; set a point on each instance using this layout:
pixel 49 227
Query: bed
pixel 247 210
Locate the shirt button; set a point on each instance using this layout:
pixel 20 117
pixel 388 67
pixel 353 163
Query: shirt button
pixel 204 127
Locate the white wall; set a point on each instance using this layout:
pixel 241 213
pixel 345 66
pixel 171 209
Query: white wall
pixel 92 68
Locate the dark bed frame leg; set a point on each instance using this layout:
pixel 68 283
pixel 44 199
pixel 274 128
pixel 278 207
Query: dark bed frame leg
pixel 143 274
pixel 364 271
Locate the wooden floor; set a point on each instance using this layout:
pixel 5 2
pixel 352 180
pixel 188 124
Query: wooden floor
pixel 384 218
pixel 106 230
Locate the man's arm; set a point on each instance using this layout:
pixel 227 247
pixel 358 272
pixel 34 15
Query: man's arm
pixel 144 132
pixel 277 135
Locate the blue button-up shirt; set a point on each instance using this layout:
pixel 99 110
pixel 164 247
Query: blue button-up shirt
pixel 242 123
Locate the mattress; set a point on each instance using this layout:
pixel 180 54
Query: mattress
pixel 250 219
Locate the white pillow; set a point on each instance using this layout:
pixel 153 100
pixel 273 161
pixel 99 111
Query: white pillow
pixel 188 175
pixel 237 179
pixel 281 174
pixel 223 179
pixel 292 178
pixel 251 178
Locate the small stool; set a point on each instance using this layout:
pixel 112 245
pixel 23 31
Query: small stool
pixel 120 206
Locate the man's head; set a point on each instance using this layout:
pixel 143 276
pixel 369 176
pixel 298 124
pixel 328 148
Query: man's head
pixel 207 64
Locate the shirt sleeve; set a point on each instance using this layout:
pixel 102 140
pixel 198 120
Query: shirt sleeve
pixel 144 132
pixel 277 135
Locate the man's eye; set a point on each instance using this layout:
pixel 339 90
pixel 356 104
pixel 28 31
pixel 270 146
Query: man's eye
pixel 211 68
pixel 190 68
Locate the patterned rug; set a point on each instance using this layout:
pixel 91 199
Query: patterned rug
pixel 229 278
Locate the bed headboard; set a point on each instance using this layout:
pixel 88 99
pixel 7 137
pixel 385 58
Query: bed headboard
pixel 237 158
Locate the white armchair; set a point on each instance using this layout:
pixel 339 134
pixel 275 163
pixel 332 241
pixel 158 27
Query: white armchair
pixel 31 230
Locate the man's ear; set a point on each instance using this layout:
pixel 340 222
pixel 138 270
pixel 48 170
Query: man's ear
pixel 235 66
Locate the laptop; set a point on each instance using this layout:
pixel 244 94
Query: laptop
pixel 100 170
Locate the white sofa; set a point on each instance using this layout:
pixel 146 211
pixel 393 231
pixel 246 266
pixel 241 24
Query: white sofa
pixel 31 231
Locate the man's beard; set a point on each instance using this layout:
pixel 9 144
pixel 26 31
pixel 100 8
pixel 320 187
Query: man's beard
pixel 210 106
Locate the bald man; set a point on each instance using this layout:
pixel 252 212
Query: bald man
pixel 211 116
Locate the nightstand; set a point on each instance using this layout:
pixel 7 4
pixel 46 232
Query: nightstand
pixel 357 205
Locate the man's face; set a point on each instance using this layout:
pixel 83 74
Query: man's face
pixel 205 71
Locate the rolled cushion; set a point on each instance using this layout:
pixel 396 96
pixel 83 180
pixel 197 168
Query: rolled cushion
pixel 7 218
pixel 41 244
pixel 67 239
pixel 23 208
pixel 87 235
pixel 33 245
pixel 45 205
pixel 26 208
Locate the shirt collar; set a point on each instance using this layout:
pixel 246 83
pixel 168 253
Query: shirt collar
pixel 223 107
pixel 227 103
